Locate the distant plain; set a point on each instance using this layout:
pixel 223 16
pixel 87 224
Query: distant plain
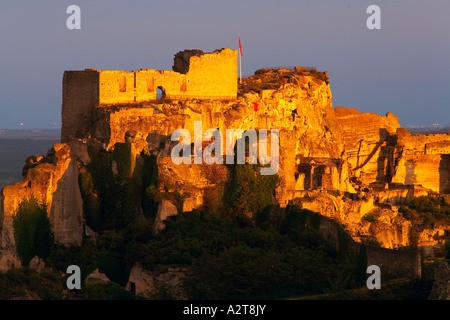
pixel 18 144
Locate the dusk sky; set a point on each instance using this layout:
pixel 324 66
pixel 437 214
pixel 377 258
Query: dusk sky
pixel 403 68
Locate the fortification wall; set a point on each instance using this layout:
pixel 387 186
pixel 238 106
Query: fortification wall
pixel 147 82
pixel 116 87
pixel 123 87
pixel 203 76
pixel 421 159
pixel 80 95
pixel 392 263
pixel 395 263
pixel 209 75
pixel 213 74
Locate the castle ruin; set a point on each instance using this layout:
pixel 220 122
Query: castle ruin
pixel 195 75
pixel 336 161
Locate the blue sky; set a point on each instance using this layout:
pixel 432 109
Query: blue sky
pixel 403 68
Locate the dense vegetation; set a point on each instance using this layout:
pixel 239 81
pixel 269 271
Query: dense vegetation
pixel 32 231
pixel 427 211
pixel 248 191
pixel 227 254
pixel 245 259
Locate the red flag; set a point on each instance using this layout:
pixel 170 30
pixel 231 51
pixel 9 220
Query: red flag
pixel 255 106
pixel 240 46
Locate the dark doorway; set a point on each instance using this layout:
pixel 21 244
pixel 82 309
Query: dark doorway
pixel 306 170
pixel 317 177
pixel 160 93
pixel 133 288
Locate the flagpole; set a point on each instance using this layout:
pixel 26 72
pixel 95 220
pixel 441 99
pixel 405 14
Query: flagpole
pixel 240 70
pixel 240 60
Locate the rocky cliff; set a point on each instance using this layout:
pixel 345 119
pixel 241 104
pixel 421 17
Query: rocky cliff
pixel 52 181
pixel 298 103
pixel 347 165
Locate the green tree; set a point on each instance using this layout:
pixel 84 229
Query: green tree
pixel 447 249
pixel 32 230
pixel 248 191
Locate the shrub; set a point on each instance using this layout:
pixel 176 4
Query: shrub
pixel 23 282
pixel 84 256
pixel 371 217
pixel 108 291
pixel 122 155
pixel 447 249
pixel 91 201
pixel 427 210
pixel 371 241
pixel 319 75
pixel 248 191
pixel 150 194
pixel 111 201
pixel 32 230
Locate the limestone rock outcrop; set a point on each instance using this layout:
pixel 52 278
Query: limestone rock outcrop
pixel 150 284
pixel 354 167
pixel 297 103
pixel 373 216
pixel 54 183
pixel 165 209
pixel 97 277
pixel 37 264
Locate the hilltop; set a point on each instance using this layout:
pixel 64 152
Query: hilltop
pixel 369 179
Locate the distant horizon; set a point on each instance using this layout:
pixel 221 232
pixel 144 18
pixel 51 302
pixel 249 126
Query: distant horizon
pixel 412 126
pixel 434 125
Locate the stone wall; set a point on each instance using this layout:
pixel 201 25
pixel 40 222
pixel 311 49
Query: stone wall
pixel 148 81
pixel 367 126
pixel 213 74
pixel 425 160
pixel 80 95
pixel 393 263
pixel 424 143
pixel 207 76
pixel 116 87
pixel 430 171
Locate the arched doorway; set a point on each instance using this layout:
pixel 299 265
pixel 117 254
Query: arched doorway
pixel 160 93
